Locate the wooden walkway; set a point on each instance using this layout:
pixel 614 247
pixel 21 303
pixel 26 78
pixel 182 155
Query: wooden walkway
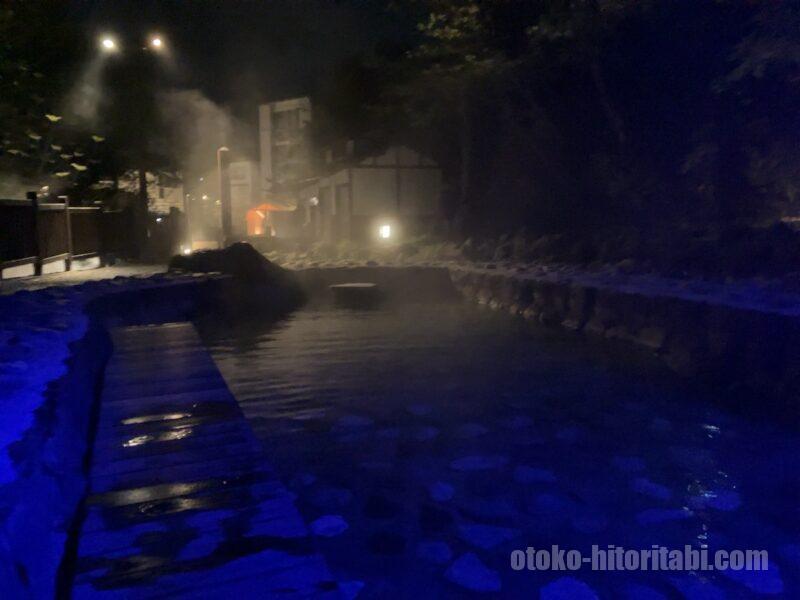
pixel 183 503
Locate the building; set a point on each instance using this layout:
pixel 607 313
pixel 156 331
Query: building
pixel 285 150
pixel 390 196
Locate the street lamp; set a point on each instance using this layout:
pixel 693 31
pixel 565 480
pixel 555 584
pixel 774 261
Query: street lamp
pixel 108 44
pixel 157 42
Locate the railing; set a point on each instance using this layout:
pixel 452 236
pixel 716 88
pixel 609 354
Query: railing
pixel 35 236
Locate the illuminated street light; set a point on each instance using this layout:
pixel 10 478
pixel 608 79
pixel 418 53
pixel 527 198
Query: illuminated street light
pixel 156 43
pixel 108 44
pixel 385 231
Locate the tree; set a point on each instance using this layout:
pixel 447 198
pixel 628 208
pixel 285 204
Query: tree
pixel 39 51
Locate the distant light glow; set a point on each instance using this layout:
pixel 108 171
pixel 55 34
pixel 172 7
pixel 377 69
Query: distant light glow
pixel 385 231
pixel 156 42
pixel 187 251
pixel 108 44
pixel 159 219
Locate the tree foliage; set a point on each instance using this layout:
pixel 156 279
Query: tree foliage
pixel 644 115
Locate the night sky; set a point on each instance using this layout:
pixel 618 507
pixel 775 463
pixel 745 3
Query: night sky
pixel 242 53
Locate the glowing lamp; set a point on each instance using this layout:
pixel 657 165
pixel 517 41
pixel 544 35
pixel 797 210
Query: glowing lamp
pixel 385 232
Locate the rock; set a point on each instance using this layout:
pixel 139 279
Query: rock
pixel 567 588
pixel 245 263
pixel 642 485
pixel 438 553
pixel 441 491
pixel 329 526
pixel 525 474
pixel 486 536
pixel 469 572
pixel 478 462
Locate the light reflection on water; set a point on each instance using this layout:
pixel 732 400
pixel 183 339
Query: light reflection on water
pixel 417 423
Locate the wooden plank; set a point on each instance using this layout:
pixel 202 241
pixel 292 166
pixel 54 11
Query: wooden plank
pixel 183 502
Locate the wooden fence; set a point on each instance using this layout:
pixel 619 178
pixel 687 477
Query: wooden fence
pixel 37 237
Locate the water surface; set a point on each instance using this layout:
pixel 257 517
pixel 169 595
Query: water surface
pixel 438 430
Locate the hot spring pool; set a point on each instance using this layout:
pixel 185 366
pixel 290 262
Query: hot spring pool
pixel 432 431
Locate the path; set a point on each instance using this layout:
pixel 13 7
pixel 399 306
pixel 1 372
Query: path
pixel 183 503
pixel 78 276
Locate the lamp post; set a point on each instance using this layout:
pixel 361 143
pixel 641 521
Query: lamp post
pixel 136 64
pixel 223 166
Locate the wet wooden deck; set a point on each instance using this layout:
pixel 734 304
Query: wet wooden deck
pixel 183 503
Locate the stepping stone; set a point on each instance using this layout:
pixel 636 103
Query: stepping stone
pixel 470 573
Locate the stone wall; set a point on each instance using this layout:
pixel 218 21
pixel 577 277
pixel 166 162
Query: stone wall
pixel 743 352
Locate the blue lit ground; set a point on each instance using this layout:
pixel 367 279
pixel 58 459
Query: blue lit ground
pixel 433 432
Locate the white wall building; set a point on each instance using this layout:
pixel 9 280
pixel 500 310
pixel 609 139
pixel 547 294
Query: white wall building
pixel 392 195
